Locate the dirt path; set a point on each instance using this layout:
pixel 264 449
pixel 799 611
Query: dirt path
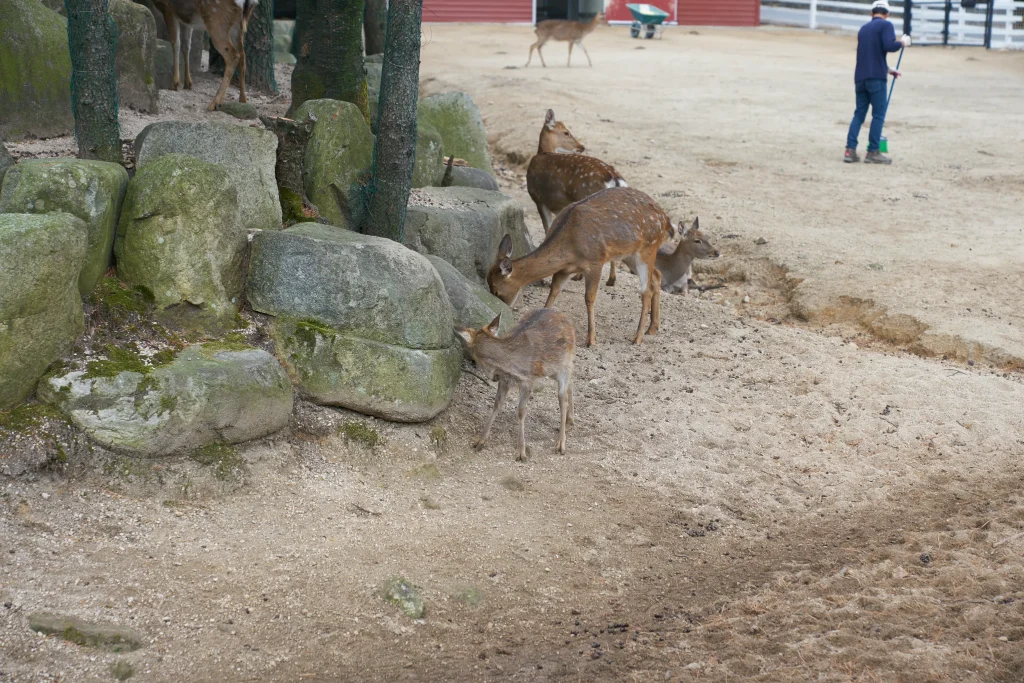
pixel 740 500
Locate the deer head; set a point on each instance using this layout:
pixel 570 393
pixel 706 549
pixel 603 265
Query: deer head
pixel 470 337
pixel 696 243
pixel 556 138
pixel 498 278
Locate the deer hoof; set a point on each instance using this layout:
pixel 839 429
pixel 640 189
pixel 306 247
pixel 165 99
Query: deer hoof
pixel 478 445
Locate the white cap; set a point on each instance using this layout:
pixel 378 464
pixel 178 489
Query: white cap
pixel 880 5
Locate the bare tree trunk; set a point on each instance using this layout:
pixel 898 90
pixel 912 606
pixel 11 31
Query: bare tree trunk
pixel 92 40
pixel 395 149
pixel 330 56
pixel 375 21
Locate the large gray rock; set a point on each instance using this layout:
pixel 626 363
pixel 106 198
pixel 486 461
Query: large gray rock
pixel 164 64
pixel 473 304
pixel 91 190
pixel 429 153
pixel 464 226
pixel 247 154
pixel 373 72
pixel 213 393
pixel 361 322
pixel 339 151
pixel 457 119
pixel 181 239
pixel 467 176
pixel 35 72
pixel 40 308
pixel 136 55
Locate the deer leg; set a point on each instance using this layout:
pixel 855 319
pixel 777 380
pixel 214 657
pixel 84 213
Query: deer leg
pixel 612 273
pixel 655 301
pixel 563 407
pixel 174 37
pixel 590 296
pixel 530 58
pixel 241 65
pixel 569 63
pixel 580 43
pixel 571 419
pixel 499 401
pixel 540 54
pixel 644 271
pixel 545 221
pixel 557 280
pixel 525 389
pixel 230 64
pixel 187 35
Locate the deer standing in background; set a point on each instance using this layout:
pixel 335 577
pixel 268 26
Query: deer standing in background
pixel 225 21
pixel 615 223
pixel 572 32
pixel 542 344
pixel 676 261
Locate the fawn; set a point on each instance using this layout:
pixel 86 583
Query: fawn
pixel 676 261
pixel 542 344
pixel 572 32
pixel 615 223
pixel 223 20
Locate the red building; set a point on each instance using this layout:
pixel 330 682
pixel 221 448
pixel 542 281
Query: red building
pixel 685 12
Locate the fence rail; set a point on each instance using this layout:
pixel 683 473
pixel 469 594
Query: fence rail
pixel 966 25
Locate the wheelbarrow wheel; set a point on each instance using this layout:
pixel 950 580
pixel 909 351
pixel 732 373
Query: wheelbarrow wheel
pixel 650 31
pixel 634 29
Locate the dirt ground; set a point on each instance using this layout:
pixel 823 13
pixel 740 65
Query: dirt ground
pixel 798 487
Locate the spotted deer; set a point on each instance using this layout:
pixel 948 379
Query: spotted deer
pixel 572 32
pixel 676 261
pixel 615 223
pixel 542 344
pixel 226 22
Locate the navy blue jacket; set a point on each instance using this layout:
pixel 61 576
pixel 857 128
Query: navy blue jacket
pixel 875 39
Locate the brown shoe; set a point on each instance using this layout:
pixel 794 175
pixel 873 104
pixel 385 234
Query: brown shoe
pixel 876 158
pixel 851 156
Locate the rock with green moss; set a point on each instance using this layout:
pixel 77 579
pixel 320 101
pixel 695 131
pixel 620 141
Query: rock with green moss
pixel 473 304
pixel 90 634
pixel 401 592
pixel 35 72
pixel 239 110
pixel 429 153
pixel 91 190
pixel 360 321
pixel 136 55
pixel 214 393
pixel 41 315
pixel 248 155
pixel 164 64
pixel 339 151
pixel 181 239
pixel 456 118
pixel 464 226
pixel 6 161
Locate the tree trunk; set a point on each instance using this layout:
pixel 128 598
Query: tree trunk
pixel 330 57
pixel 395 148
pixel 259 51
pixel 375 21
pixel 292 137
pixel 92 40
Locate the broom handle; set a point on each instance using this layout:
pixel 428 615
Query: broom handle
pixel 898 62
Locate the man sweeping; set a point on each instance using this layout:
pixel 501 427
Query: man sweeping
pixel 875 40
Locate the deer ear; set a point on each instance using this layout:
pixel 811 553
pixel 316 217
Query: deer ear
pixel 493 326
pixel 696 224
pixel 549 120
pixel 464 335
pixel 505 247
pixel 505 266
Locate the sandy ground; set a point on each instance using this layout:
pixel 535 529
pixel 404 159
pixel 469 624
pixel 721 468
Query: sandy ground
pixel 758 493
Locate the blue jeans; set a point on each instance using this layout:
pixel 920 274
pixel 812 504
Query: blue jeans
pixel 870 91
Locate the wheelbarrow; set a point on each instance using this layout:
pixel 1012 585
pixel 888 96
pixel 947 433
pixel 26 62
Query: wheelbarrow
pixel 647 19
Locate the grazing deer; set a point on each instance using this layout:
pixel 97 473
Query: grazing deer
pixel 676 261
pixel 572 32
pixel 225 21
pixel 615 223
pixel 542 344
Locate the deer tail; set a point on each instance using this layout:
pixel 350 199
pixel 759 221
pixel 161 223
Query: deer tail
pixel 248 7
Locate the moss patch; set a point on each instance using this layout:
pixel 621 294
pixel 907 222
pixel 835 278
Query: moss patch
pixel 224 458
pixel 360 433
pixel 27 416
pixel 117 301
pixel 439 438
pixel 118 361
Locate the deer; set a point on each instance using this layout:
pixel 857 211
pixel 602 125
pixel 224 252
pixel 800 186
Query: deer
pixel 224 20
pixel 542 344
pixel 559 174
pixel 615 223
pixel 676 261
pixel 572 32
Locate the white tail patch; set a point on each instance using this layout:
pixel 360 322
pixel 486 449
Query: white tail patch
pixel 641 271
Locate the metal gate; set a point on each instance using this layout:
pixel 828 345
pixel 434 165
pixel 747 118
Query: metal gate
pixel 966 23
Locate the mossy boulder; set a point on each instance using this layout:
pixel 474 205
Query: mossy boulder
pixel 91 190
pixel 473 304
pixel 214 393
pixel 164 64
pixel 181 240
pixel 464 226
pixel 6 162
pixel 136 55
pixel 283 42
pixel 457 119
pixel 248 155
pixel 360 321
pixel 40 308
pixel 339 151
pixel 429 153
pixel 35 72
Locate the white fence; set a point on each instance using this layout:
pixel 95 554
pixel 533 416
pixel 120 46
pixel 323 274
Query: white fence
pixel 966 26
